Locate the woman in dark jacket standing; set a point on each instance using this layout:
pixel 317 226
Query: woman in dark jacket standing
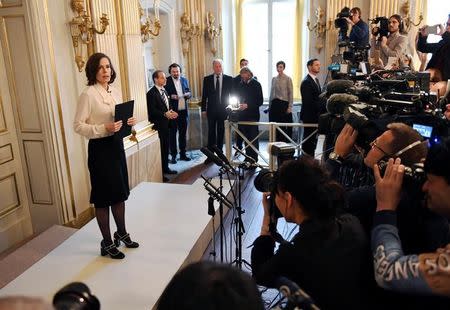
pixel 107 164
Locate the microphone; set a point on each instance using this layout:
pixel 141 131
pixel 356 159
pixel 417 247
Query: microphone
pixel 251 160
pixel 337 103
pixel 212 156
pixel 338 87
pixel 222 156
pixel 216 193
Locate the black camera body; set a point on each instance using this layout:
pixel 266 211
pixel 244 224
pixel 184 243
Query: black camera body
pixel 341 23
pixel 267 182
pixel 382 30
pixel 356 54
pixel 75 295
pixel 383 101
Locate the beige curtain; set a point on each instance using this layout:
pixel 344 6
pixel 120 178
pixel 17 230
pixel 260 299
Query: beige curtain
pixel 384 8
pixel 299 66
pixel 333 7
pixel 196 58
pixel 240 40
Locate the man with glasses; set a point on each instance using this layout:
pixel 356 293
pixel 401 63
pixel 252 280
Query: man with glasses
pixel 440 60
pixel 402 141
pixel 419 229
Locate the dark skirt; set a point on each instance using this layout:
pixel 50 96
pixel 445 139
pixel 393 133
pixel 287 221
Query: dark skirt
pixel 108 171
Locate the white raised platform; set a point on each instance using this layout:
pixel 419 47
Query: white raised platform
pixel 170 222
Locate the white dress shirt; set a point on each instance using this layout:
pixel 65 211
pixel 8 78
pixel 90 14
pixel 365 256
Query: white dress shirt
pixel 181 101
pixel 96 108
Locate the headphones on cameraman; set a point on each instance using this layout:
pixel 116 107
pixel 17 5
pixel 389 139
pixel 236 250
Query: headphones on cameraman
pixel 173 66
pixel 416 169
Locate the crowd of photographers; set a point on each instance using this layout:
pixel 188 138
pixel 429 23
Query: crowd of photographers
pixel 374 215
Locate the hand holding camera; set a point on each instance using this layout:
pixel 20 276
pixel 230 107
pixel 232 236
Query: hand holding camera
pixel 243 106
pixel 389 186
pixel 345 141
pixel 437 29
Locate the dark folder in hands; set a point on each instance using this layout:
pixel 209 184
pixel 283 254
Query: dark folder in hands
pixel 123 112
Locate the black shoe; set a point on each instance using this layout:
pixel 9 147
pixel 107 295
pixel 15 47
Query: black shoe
pixel 184 157
pixel 168 171
pixel 165 179
pixel 110 250
pixel 173 161
pixel 125 239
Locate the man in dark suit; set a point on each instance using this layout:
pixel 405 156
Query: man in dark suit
pixel 250 96
pixel 237 79
pixel 178 89
pixel 217 89
pixel 312 105
pixel 160 114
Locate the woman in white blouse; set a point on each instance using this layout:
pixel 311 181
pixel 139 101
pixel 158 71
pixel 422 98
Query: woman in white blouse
pixel 107 164
pixel 281 100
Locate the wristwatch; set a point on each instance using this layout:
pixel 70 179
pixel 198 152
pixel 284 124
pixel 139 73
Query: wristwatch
pixel 336 157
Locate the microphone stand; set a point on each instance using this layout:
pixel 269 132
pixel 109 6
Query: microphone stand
pixel 221 229
pixel 217 194
pixel 239 224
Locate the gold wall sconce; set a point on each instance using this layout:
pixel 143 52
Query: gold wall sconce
pixel 320 27
pixel 148 27
pixel 212 31
pixel 82 30
pixel 407 20
pixel 188 31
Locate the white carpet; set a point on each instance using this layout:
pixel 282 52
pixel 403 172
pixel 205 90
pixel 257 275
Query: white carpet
pixel 170 222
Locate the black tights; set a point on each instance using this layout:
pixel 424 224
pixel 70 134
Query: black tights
pixel 102 215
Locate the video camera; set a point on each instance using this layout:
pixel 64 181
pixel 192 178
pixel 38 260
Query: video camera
pixel 356 54
pixel 233 109
pixel 75 295
pixel 267 180
pixel 382 30
pixel 341 23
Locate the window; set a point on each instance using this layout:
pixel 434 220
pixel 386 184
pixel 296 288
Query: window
pixel 268 35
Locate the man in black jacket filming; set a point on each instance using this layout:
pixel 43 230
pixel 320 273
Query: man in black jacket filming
pixel 250 98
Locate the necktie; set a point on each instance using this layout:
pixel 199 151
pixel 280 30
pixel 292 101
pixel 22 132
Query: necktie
pixel 318 84
pixel 218 87
pixel 164 96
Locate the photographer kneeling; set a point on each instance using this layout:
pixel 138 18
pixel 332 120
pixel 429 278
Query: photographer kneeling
pixel 326 258
pixel 426 273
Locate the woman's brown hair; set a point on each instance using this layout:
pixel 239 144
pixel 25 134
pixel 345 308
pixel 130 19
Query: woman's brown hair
pixel 92 68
